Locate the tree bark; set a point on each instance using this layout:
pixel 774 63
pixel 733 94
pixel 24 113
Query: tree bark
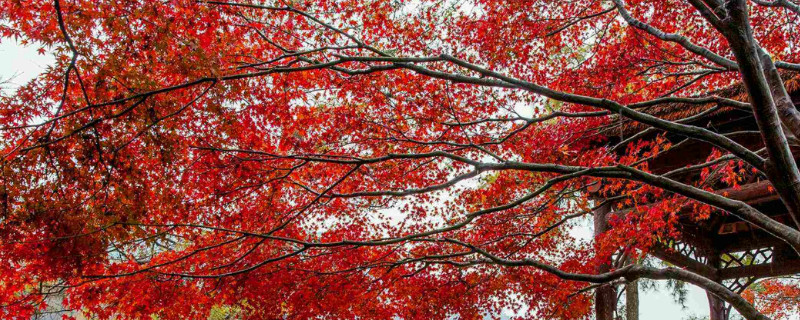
pixel 781 168
pixel 783 102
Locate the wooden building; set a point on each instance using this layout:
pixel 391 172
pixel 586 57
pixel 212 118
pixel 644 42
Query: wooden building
pixel 723 247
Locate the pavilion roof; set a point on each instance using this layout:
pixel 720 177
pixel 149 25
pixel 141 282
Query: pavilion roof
pixel 676 111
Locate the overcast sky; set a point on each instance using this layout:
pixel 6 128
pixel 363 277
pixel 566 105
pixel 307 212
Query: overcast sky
pixel 20 64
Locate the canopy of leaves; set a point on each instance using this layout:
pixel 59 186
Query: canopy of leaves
pixel 304 159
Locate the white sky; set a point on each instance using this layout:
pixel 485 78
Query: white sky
pixel 20 64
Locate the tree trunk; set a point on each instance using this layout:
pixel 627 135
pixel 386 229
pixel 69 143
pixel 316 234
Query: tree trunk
pixel 783 102
pixel 781 167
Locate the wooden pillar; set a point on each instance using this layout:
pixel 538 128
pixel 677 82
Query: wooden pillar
pixel 605 297
pixel 632 300
pixel 716 307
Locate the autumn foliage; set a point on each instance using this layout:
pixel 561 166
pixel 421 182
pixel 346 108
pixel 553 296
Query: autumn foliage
pixel 339 159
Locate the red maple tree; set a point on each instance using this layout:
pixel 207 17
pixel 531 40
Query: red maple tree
pixel 372 159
